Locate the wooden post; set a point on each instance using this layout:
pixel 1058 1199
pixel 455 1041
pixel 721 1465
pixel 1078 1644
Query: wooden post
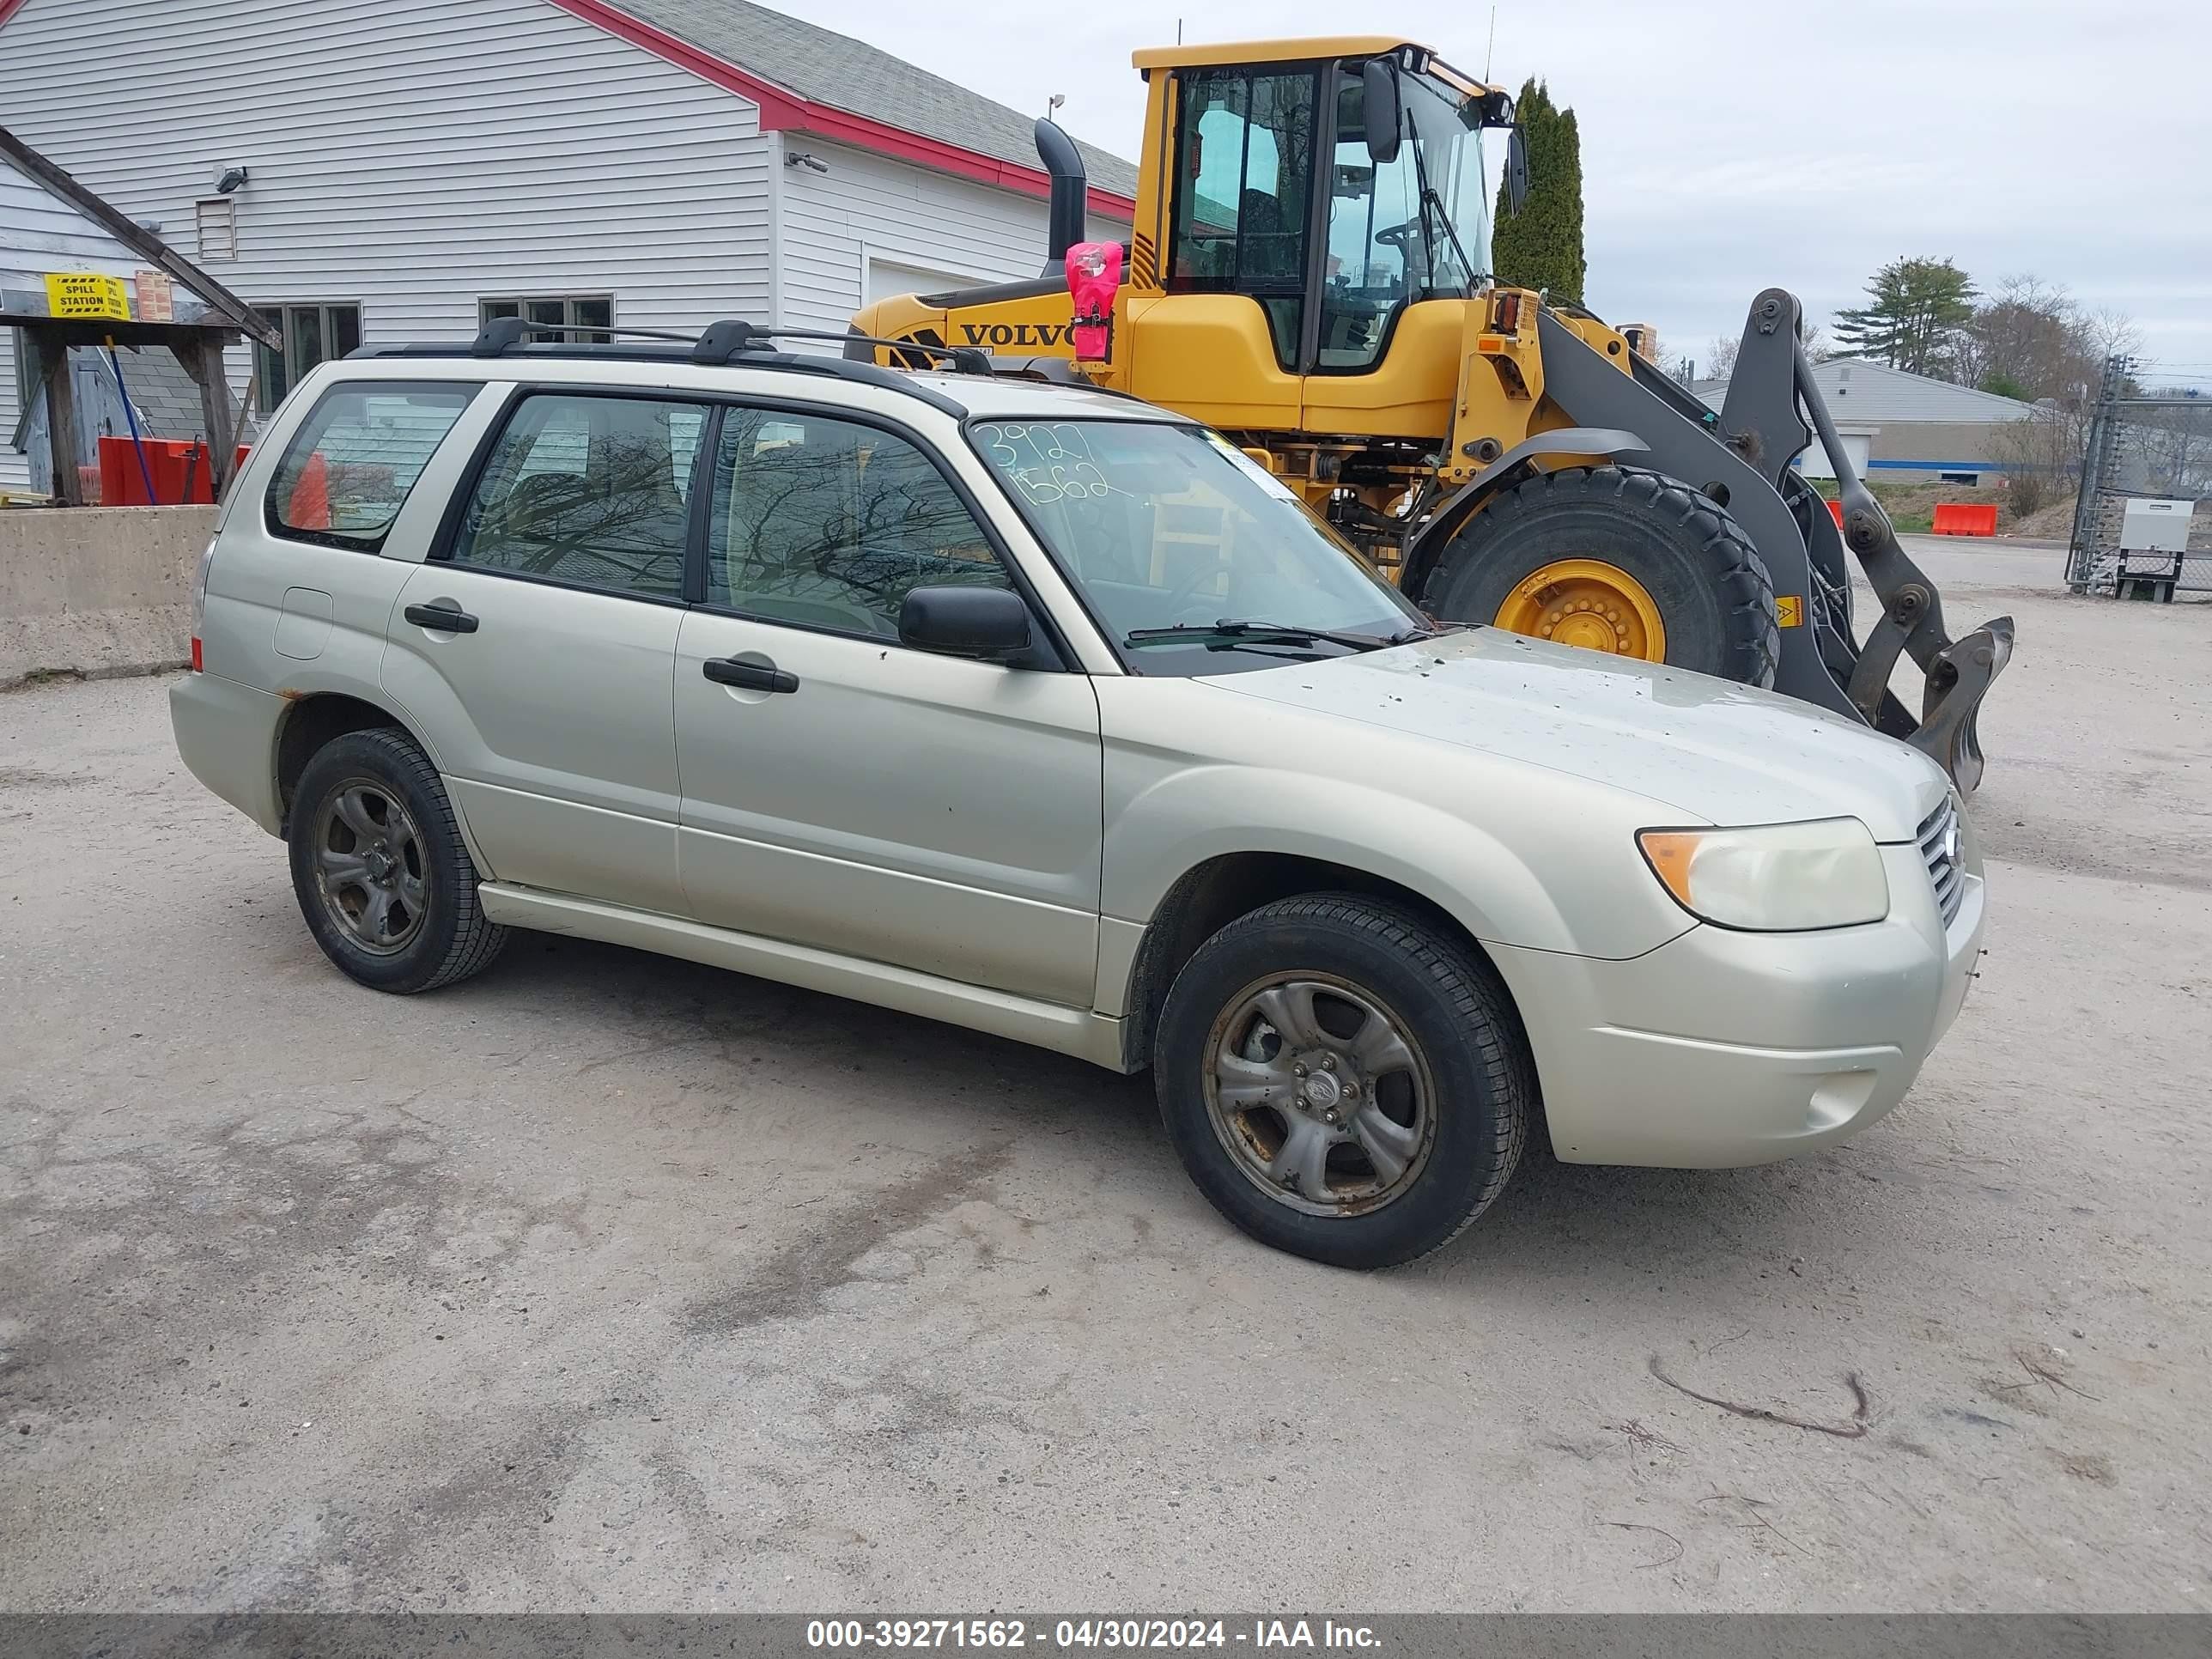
pixel 60 414
pixel 201 353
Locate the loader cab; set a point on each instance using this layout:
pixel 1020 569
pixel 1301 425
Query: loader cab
pixel 1333 193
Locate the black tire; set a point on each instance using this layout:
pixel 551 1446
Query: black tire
pixel 1715 597
pixel 1461 1027
pixel 448 936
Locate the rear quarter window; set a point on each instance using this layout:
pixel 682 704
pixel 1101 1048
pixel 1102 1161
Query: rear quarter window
pixel 350 466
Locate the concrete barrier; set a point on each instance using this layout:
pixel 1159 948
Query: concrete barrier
pixel 98 591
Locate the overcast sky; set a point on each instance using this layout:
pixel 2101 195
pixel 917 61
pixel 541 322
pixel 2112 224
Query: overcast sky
pixel 1728 146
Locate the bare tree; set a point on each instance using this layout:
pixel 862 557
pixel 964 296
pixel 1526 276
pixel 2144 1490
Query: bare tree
pixel 2022 341
pixel 2041 454
pixel 1720 351
pixel 2112 333
pixel 2031 340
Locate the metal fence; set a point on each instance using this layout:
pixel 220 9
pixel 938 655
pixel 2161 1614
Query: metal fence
pixel 2142 446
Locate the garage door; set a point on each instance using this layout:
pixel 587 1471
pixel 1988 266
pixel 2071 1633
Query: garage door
pixel 886 280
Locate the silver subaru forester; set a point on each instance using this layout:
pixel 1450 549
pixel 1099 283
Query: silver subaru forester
pixel 1045 712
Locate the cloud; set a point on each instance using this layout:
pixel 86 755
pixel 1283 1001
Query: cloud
pixel 1728 145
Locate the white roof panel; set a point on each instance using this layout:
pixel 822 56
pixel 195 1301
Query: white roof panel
pixel 1860 392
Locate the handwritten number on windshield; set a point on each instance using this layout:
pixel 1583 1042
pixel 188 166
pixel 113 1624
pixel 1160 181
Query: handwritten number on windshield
pixel 1047 463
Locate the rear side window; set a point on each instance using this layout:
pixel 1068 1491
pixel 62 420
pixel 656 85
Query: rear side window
pixel 588 491
pixel 348 471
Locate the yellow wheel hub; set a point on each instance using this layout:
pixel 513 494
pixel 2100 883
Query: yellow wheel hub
pixel 1588 603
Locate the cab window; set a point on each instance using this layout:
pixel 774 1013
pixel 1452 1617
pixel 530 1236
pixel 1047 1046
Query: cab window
pixel 1378 258
pixel 1243 184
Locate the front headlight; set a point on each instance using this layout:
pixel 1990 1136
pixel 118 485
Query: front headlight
pixel 1774 879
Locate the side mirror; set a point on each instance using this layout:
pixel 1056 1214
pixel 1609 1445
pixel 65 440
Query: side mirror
pixel 1378 86
pixel 1517 171
pixel 965 622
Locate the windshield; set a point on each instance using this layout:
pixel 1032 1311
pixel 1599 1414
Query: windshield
pixel 1448 158
pixel 1166 526
pixel 1416 227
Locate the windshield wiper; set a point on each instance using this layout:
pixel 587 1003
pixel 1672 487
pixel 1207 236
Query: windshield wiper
pixel 1232 628
pixel 1431 199
pixel 1467 265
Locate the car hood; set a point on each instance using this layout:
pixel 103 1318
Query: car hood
pixel 1714 751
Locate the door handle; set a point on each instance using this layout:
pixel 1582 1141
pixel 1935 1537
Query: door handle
pixel 442 615
pixel 753 675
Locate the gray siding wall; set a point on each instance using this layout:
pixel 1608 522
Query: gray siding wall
pixel 412 155
pixel 1945 446
pixel 15 466
pixel 41 233
pixel 870 208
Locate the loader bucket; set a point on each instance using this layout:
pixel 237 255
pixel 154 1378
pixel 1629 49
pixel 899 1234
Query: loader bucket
pixel 1947 731
pixel 1959 672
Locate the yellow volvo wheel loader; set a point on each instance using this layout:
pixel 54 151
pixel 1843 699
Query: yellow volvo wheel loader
pixel 1309 272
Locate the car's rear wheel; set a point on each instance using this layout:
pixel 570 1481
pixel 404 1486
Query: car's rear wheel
pixel 382 875
pixel 1343 1078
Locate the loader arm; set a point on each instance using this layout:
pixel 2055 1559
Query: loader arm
pixel 1742 459
pixel 1771 399
pixel 1593 392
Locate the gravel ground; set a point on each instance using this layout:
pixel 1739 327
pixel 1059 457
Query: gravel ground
pixel 609 1282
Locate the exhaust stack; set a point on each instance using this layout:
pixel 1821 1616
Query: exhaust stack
pixel 1071 191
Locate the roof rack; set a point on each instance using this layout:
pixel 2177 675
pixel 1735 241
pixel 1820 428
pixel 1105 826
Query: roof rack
pixel 731 341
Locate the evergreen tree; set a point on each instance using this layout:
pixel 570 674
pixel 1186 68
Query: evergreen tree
pixel 1541 246
pixel 1914 311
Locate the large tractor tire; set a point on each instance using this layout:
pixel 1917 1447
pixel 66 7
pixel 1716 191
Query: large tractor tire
pixel 1615 559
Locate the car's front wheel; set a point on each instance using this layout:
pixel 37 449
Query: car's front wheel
pixel 380 868
pixel 1344 1078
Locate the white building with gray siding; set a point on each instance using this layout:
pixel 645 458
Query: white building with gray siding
pixel 413 167
pixel 1906 428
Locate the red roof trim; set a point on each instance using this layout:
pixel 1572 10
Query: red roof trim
pixel 780 109
pixel 783 109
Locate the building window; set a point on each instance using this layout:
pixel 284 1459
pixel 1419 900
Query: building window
pixel 312 334
pixel 555 311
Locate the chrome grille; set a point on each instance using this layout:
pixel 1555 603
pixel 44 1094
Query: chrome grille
pixel 1939 838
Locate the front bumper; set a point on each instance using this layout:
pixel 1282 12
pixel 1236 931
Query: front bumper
pixel 1720 1048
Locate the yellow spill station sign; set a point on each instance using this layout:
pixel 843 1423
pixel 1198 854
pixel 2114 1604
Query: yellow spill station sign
pixel 86 295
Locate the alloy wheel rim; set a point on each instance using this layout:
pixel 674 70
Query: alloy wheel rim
pixel 370 867
pixel 1320 1093
pixel 1586 603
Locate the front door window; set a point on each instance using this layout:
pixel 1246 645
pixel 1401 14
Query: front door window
pixel 1243 182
